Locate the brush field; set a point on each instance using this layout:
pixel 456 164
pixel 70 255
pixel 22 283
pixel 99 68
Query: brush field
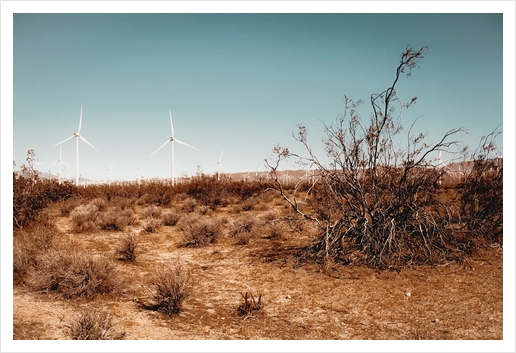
pixel 239 247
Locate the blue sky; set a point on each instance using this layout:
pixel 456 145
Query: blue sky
pixel 237 83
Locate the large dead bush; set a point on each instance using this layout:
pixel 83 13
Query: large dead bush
pixel 375 202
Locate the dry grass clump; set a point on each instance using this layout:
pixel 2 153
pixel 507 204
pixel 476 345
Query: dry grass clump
pixel 100 202
pixel 250 305
pixel 171 218
pixel 172 285
pixel 246 229
pixel 114 218
pixel 151 211
pixel 249 204
pixel 93 325
pixel 189 204
pixel 27 245
pixel 122 202
pixel 74 275
pixel 151 224
pixel 84 218
pixel 127 247
pixel 199 231
pixel 66 206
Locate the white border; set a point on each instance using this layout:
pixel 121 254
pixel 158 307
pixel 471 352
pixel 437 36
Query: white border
pixel 10 7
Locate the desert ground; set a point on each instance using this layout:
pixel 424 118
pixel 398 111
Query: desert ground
pixel 299 300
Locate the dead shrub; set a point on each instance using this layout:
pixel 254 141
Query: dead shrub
pixel 66 206
pixel 93 325
pixel 100 202
pixel 27 245
pixel 249 204
pixel 151 211
pixel 171 218
pixel 114 218
pixel 199 232
pixel 245 230
pixel 189 205
pixel 122 202
pixel 151 224
pixel 74 275
pixel 84 218
pixel 172 286
pixel 127 247
pixel 250 305
pixel 275 229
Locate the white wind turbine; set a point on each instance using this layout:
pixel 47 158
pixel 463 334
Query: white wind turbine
pixel 59 161
pixel 172 139
pixel 218 163
pixel 76 135
pixel 109 173
pixel 139 168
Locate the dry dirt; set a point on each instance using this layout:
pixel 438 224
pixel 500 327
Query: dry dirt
pixel 452 302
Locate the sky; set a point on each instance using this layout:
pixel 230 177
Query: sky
pixel 238 78
pixel 236 84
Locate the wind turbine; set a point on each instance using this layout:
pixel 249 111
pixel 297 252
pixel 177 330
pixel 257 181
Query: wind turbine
pixel 109 174
pixel 218 163
pixel 76 135
pixel 172 139
pixel 139 168
pixel 59 161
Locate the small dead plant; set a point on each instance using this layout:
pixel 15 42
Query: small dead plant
pixel 250 305
pixel 127 248
pixel 93 325
pixel 172 286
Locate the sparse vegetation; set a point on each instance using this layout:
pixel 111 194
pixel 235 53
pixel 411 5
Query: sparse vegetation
pixel 309 238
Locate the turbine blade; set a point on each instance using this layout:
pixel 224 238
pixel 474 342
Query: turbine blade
pixel 163 145
pixel 220 158
pixel 222 166
pixel 66 164
pixel 171 125
pixel 71 137
pixel 80 121
pixel 181 142
pixel 85 141
pixel 53 164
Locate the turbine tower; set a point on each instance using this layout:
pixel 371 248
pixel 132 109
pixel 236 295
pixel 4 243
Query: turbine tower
pixel 218 163
pixel 76 136
pixel 139 168
pixel 59 161
pixel 172 139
